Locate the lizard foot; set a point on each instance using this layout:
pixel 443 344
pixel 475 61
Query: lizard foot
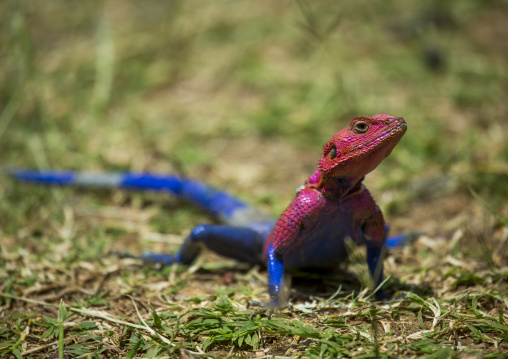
pixel 382 295
pixel 161 259
pixel 122 254
pixel 267 308
pixel 147 258
pixel 403 239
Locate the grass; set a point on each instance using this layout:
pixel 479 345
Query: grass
pixel 243 95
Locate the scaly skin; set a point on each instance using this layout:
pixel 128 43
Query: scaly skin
pixel 334 205
pixel 331 207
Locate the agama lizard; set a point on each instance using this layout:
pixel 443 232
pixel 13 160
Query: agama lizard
pixel 330 207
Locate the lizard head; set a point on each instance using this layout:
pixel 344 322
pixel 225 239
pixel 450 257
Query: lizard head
pixel 359 148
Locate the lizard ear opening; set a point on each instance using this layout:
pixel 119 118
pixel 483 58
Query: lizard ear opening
pixel 333 153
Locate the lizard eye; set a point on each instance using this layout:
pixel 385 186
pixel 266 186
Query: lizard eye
pixel 360 127
pixel 333 153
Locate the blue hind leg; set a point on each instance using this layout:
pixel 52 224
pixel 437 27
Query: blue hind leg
pixel 240 243
pixel 402 239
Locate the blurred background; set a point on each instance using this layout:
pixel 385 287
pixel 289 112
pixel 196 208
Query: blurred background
pixel 243 95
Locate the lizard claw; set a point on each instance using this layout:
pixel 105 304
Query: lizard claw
pixel 267 308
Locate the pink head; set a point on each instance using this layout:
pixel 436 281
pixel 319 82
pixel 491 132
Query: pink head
pixel 359 148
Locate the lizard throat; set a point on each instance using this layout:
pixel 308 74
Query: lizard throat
pixel 340 188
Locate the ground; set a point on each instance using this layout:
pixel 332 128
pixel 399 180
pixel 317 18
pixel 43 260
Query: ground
pixel 243 95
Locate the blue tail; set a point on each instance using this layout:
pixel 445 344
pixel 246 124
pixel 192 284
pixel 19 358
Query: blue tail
pixel 220 204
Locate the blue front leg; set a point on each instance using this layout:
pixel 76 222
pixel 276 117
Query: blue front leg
pixel 375 263
pixel 275 285
pixel 275 275
pixel 240 243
